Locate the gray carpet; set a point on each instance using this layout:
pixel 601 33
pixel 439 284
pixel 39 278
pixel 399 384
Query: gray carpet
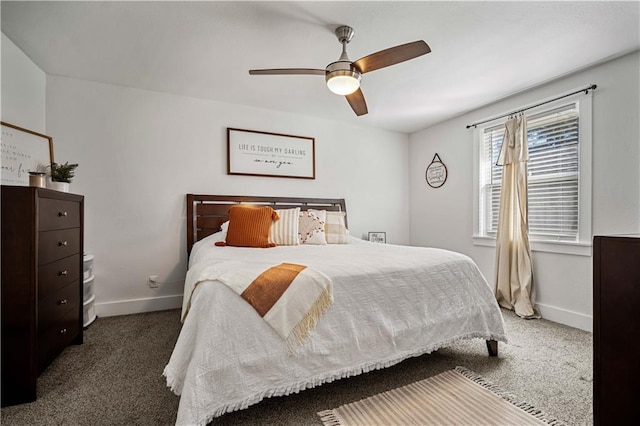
pixel 115 377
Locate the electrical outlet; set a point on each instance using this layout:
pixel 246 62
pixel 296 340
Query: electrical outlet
pixel 153 281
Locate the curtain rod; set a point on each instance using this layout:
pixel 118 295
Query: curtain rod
pixel 585 90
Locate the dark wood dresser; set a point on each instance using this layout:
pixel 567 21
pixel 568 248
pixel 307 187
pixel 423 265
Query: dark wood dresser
pixel 42 246
pixel 616 330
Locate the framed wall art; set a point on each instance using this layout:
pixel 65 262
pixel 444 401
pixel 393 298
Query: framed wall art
pixel 23 151
pixel 255 153
pixel 436 174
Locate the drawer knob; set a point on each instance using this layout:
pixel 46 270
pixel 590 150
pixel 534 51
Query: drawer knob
pixel 62 273
pixel 62 243
pixel 62 214
pixel 63 331
pixel 62 302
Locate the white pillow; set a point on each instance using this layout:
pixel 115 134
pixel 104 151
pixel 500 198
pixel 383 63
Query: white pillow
pixel 335 228
pixel 311 227
pixel 284 232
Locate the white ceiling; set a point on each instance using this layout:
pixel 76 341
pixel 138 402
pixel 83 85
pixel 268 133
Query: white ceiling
pixel 481 51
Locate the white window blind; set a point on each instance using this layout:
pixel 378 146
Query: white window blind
pixel 553 174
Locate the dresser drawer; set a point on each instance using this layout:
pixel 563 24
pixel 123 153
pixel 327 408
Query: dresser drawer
pixel 54 245
pixel 56 335
pixel 58 214
pixel 54 276
pixel 56 306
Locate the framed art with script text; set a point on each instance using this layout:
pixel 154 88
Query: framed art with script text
pixel 254 153
pixel 23 151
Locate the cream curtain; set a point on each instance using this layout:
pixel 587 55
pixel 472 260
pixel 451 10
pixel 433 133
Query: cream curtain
pixel 514 270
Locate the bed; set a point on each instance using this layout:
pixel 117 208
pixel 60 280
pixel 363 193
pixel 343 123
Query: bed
pixel 389 303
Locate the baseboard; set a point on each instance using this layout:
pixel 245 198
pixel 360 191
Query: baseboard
pixel 563 316
pixel 136 306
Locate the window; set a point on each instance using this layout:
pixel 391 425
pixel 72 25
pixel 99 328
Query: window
pixel 559 177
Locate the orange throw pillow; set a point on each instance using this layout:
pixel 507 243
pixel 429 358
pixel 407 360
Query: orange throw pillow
pixel 249 226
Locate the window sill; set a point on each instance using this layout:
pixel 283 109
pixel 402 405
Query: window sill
pixel 562 247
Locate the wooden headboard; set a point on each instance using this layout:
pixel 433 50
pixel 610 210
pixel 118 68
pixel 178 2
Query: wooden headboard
pixel 205 213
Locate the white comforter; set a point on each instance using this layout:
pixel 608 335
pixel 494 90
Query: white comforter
pixel 391 303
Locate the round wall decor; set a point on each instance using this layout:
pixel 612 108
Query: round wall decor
pixel 436 174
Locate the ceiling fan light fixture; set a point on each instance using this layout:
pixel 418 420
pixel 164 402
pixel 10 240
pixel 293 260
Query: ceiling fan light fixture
pixel 342 77
pixel 343 82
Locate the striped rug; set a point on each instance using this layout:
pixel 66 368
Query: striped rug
pixel 455 397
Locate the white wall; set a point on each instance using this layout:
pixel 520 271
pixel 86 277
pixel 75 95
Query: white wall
pixel 444 217
pixel 23 89
pixel 140 152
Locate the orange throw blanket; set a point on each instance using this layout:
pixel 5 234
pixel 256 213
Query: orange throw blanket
pixel 291 298
pixel 270 285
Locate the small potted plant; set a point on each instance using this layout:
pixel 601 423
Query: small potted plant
pixel 62 175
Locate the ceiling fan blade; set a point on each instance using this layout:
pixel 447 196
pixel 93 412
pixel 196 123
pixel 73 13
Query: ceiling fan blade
pixel 357 102
pixel 392 56
pixel 288 71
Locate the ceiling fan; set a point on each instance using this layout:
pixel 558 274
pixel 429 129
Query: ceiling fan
pixel 343 76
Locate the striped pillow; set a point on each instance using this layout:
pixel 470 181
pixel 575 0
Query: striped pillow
pixel 335 229
pixel 284 232
pixel 249 226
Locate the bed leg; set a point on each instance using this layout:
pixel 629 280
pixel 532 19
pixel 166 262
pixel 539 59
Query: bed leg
pixel 492 347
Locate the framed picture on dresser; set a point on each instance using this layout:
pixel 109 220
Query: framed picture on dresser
pixel 23 151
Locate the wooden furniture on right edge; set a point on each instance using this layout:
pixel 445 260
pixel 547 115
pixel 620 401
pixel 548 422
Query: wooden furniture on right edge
pixel 616 330
pixel 42 234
